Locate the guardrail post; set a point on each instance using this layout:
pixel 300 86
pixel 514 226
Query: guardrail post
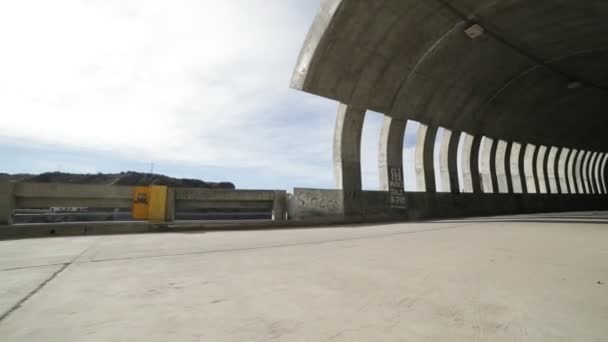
pixel 7 202
pixel 279 206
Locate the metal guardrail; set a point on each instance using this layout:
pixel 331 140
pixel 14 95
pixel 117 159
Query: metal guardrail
pixel 109 200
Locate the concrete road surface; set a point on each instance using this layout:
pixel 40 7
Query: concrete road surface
pixel 522 278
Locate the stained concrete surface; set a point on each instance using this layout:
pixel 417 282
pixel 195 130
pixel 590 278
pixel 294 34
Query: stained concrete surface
pixel 462 280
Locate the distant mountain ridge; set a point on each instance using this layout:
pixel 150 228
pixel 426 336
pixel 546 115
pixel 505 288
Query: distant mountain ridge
pixel 129 178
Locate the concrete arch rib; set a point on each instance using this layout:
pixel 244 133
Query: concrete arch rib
pixel 419 162
pixel 514 166
pixel 467 176
pixel 444 161
pixel 578 177
pixel 603 179
pixel 552 171
pixel 540 170
pixel 561 170
pixel 591 173
pixel 390 155
pixel 585 172
pixel 347 148
pixel 453 161
pixel 501 172
pixel 529 168
pixel 595 173
pixel 484 164
pixel 572 182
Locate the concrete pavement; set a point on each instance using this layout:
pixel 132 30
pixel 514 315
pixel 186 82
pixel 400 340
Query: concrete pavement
pixel 528 278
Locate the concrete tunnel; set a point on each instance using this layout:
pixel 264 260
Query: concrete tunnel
pixel 519 89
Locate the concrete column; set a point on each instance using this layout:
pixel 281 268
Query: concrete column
pixel 540 170
pixel 429 159
pixel 7 202
pixel 529 168
pixel 485 150
pixel 391 151
pixel 552 171
pixel 603 173
pixel 419 158
pixel 467 177
pixel 592 173
pixel 453 162
pixel 476 177
pixel 514 166
pixel 562 170
pixel 578 169
pixel 425 171
pixel 444 161
pixel 596 173
pixel 571 173
pixel 347 156
pixel 507 166
pixel 585 172
pixel 391 161
pixel 501 172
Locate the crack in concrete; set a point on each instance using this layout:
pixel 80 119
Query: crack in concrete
pixel 22 301
pixel 245 249
pixel 33 292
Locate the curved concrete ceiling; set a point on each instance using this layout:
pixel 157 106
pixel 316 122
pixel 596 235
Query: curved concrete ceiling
pixel 538 73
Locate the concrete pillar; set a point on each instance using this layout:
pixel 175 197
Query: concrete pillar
pixel 391 161
pixel 571 174
pixel 475 175
pixel 596 173
pixel 603 173
pixel 529 168
pixel 499 162
pixel 453 162
pixel 507 167
pixel 419 158
pixel 540 170
pixel 444 161
pixel 585 172
pixel 493 173
pixel 425 170
pixel 485 150
pixel 592 173
pixel 562 173
pixel 552 170
pixel 578 169
pixel 467 177
pixel 7 202
pixel 391 151
pixel 347 156
pixel 514 166
pixel 546 170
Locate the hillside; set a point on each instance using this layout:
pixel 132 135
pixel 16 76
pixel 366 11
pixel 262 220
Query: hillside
pixel 124 178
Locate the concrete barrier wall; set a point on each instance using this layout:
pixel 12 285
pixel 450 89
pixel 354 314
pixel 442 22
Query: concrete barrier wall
pixel 316 204
pixel 446 205
pixel 46 195
pixel 311 204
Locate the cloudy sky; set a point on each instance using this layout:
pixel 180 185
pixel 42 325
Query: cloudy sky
pixel 199 88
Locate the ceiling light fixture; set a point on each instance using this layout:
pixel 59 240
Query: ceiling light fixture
pixel 475 31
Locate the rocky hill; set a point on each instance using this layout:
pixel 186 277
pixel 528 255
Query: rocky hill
pixel 124 178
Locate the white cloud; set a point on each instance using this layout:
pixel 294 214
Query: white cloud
pixel 192 81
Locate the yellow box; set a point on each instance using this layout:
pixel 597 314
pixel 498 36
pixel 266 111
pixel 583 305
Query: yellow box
pixel 157 205
pixel 141 201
